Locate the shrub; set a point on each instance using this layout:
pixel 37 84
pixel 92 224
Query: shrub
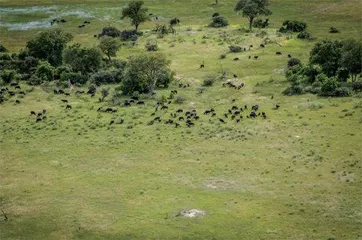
pixel 293 62
pixel 111 32
pixel 259 23
pixel 235 49
pixel 342 92
pixel 35 80
pixel 218 22
pixel 180 99
pixel 357 86
pixel 45 71
pixel 342 74
pixel 151 47
pixel 293 90
pixel 8 76
pixel 59 70
pixel 129 35
pixel 305 35
pixel 2 48
pixel 329 85
pixel 73 78
pixel 208 82
pixel 293 26
pixel 106 77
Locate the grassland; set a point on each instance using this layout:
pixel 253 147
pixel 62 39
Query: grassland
pixel 295 175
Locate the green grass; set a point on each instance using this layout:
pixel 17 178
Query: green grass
pixel 294 175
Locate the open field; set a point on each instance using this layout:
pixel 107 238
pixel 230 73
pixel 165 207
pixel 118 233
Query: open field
pixel 294 175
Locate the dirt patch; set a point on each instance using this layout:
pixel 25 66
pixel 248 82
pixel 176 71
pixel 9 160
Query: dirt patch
pixel 218 184
pixel 192 213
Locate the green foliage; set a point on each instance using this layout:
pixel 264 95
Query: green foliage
pixel 3 48
pixel 235 49
pixel 110 46
pixel 144 71
pixel 161 30
pixel 305 35
pixel 45 71
pixel 136 13
pixel 218 22
pixel 107 77
pixel 73 78
pixel 59 70
pixel 208 82
pixel 129 35
pixel 105 93
pixel 351 57
pixel 253 9
pixel 342 92
pixel 82 59
pixel 8 76
pixel 110 32
pixel 357 86
pixel 329 85
pixel 259 23
pixel 293 26
pixel 34 80
pixel 151 47
pixel 49 46
pixel 327 54
pixel 293 62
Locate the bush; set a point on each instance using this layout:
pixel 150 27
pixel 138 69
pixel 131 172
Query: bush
pixel 208 82
pixel 342 74
pixel 329 86
pixel 293 90
pixel 293 26
pixel 73 78
pixel 293 62
pixel 151 47
pixel 106 77
pixel 305 35
pixel 8 76
pixel 129 35
pixel 45 71
pixel 180 99
pixel 357 86
pixel 218 22
pixel 259 23
pixel 111 32
pixel 2 48
pixel 59 70
pixel 342 92
pixel 235 49
pixel 35 80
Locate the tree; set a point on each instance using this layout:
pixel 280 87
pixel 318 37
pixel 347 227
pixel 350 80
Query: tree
pixel 105 93
pixel 327 54
pixel 136 13
pixel 109 46
pixel 81 59
pixel 49 46
pixel 143 72
pixel 45 71
pixel 253 9
pixel 351 57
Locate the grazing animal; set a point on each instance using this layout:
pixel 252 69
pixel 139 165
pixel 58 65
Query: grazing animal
pixel 140 102
pixel 81 26
pixel 289 56
pixel 126 103
pixel 61 91
pixel 262 45
pixel 111 122
pixel 253 115
pixel 235 76
pixel 153 114
pixel 207 112
pixel 246 107
pixel 38 119
pixel 164 107
pixel 17 87
pixel 177 125
pixel 68 107
pixel 237 112
pixel 278 53
pixel 179 111
pixel 221 120
pixel 249 57
pixel 277 106
pixel 134 98
pixel 225 115
pixel 236 59
pixel 213 114
pixel 17 101
pixel 121 121
pixel 150 122
pixel 32 113
pixel 64 100
pixel 44 111
pixel 256 57
pixel 22 93
pixel 40 114
pixel 55 91
pixel 181 118
pixel 63 21
pixel 255 107
pixel 263 115
pixel 202 65
pixel 238 120
pixel 157 119
pixel 251 46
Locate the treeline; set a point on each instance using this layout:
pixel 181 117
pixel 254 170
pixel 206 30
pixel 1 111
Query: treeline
pixel 332 70
pixel 50 58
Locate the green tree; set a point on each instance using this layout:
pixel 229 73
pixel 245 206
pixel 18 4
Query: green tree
pixel 49 46
pixel 81 59
pixel 253 9
pixel 327 54
pixel 110 46
pixel 136 13
pixel 143 72
pixel 45 71
pixel 351 57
